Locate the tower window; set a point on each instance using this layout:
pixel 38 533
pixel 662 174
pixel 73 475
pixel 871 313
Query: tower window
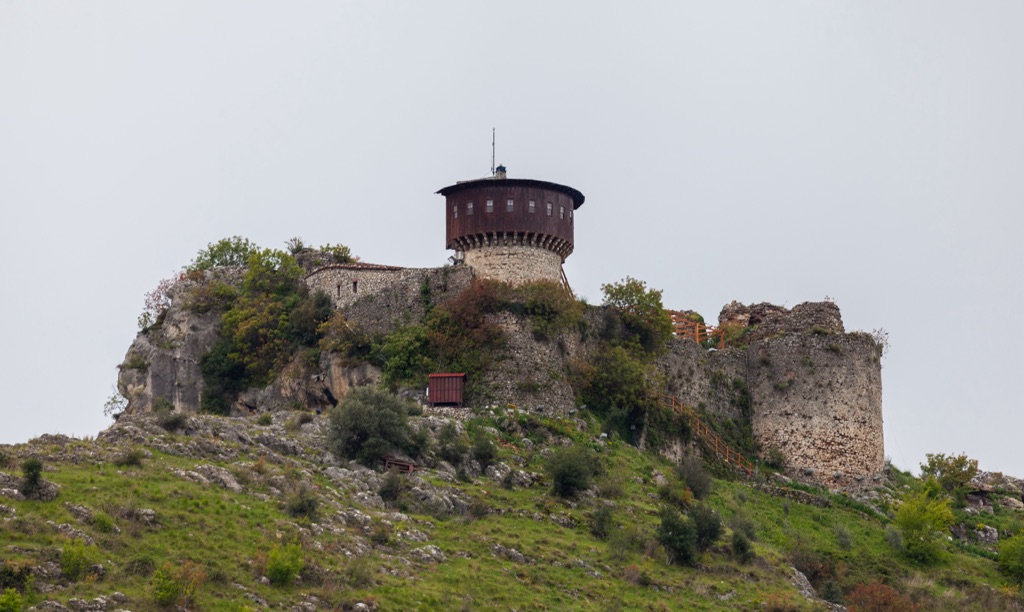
pixel 510 206
pixel 455 211
pixel 469 208
pixel 533 206
pixel 355 286
pixel 570 216
pixel 490 206
pixel 561 212
pixel 549 209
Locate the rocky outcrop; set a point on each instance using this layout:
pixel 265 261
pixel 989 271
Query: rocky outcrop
pixel 161 368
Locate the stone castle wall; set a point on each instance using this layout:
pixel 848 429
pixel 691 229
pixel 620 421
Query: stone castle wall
pixel 817 398
pixel 515 264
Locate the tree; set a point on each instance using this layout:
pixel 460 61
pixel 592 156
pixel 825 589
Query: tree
pixel 707 525
pixel 952 473
pixel 923 521
pixel 367 425
pixel 678 535
pixel 271 272
pixel 233 251
pixel 642 313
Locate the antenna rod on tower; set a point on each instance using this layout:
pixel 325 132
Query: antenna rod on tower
pixel 492 151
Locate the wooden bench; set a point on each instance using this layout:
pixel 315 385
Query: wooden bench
pixel 407 467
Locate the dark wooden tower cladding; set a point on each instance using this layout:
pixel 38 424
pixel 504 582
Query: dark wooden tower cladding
pixel 510 219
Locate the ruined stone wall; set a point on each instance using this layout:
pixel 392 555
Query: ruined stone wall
pixel 817 398
pixel 406 298
pixel 515 264
pixel 708 380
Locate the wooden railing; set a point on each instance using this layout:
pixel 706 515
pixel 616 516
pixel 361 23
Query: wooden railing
pixel 684 327
pixel 709 437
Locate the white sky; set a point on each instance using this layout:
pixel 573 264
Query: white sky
pixel 757 151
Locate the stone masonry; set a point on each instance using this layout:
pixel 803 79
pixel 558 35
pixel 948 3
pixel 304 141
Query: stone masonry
pixel 515 264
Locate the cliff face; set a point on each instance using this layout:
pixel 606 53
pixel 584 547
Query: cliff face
pixel 162 364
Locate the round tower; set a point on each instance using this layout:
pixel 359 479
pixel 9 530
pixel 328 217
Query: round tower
pixel 512 230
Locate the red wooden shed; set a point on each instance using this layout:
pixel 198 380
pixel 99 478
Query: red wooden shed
pixel 446 389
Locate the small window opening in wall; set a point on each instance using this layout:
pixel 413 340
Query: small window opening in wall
pixel 339 289
pixel 533 206
pixel 570 216
pixel 511 205
pixel 469 208
pixel 355 286
pixel 490 206
pixel 561 212
pixel 549 209
pixel 455 211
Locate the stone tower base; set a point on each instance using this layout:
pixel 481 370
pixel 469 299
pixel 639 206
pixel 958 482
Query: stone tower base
pixel 515 264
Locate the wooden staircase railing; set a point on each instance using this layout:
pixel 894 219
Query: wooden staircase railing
pixel 709 437
pixel 695 330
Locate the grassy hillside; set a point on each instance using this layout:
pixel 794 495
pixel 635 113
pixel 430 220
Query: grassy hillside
pixel 241 514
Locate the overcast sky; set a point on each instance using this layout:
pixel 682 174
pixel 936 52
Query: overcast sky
pixel 754 151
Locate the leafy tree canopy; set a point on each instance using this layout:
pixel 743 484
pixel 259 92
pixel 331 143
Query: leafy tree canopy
pixel 233 251
pixel 642 312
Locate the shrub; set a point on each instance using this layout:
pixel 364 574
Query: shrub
pixel 130 458
pixel 142 565
pixel 678 535
pixel 484 449
pixel 284 564
pixel 612 485
pixel 265 419
pixel 571 470
pixel 451 445
pixel 1011 558
pixel 832 592
pixel 707 524
pixel 676 496
pixel 877 597
pixel 103 523
pixel 171 421
pixel 550 308
pixel 17 576
pixel 75 561
pixel 32 479
pixel 5 459
pixel 302 502
pixel 11 601
pixel 616 387
pixel 744 524
pixel 391 487
pixel 742 550
pixel 952 473
pixel 923 521
pixel 695 475
pixel 602 524
pixel 296 422
pixel 177 586
pixel 367 425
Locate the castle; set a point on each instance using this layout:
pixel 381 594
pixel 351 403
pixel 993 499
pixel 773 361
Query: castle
pixel 810 391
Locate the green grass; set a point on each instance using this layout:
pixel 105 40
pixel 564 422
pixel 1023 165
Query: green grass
pixel 202 529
